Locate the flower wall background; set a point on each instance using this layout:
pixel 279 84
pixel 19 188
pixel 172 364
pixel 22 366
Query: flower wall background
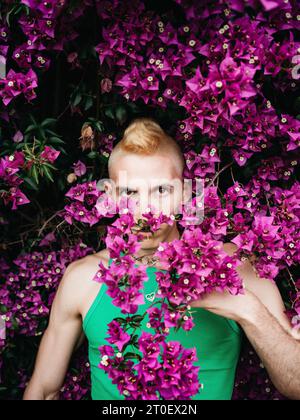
pixel 222 77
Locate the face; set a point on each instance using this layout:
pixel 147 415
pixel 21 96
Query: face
pixel 152 182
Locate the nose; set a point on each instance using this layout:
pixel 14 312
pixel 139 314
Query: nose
pixel 142 206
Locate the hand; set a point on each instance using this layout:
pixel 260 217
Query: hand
pixel 237 307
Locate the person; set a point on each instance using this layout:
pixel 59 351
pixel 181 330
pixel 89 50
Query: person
pixel 82 308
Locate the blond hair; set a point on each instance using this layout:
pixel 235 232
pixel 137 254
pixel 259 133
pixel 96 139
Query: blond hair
pixel 145 136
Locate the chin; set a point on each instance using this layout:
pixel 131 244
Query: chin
pixel 150 242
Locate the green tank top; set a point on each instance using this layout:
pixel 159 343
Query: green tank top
pixel 216 339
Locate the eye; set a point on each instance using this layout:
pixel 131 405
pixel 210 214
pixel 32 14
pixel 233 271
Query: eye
pixel 127 192
pixel 162 190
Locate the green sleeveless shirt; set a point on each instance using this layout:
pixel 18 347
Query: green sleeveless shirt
pixel 217 341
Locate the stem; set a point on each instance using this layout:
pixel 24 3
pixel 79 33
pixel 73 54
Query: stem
pixel 232 175
pixel 219 172
pixel 57 87
pixel 216 176
pixel 292 281
pixel 268 204
pixel 98 97
pixel 219 163
pixel 46 222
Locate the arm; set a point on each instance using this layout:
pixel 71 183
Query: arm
pixel 58 342
pixel 260 312
pixel 278 347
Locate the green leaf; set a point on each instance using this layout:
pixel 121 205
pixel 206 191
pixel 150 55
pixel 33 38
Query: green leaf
pixel 93 155
pixel 31 183
pixel 120 320
pixel 121 114
pixel 49 122
pixel 51 133
pixel 42 134
pixel 30 128
pixel 34 173
pixel 77 99
pixel 104 159
pixel 132 356
pixel 56 140
pixel 14 11
pixel 133 106
pixel 48 173
pixel 63 151
pixel 99 126
pixel 137 318
pixel 61 184
pixel 15 324
pixel 109 113
pixel 88 103
pixel 33 120
pixel 134 339
pixel 50 166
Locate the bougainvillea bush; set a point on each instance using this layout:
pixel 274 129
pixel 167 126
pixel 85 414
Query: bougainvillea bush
pixel 221 77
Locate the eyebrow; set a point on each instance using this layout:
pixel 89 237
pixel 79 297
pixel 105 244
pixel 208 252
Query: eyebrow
pixel 126 187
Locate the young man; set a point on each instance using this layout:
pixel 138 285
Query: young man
pixel 144 154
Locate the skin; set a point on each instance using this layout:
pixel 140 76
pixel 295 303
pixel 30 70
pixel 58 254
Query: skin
pixel 259 311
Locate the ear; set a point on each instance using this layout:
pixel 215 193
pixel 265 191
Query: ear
pixel 107 187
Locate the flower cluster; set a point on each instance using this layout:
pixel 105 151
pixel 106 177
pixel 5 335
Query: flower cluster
pixel 10 181
pixel 12 171
pixel 16 84
pixel 86 200
pixel 77 383
pixel 193 265
pixel 201 265
pixel 252 381
pixel 159 65
pixel 158 374
pixel 46 27
pixel 28 287
pixel 274 238
pixel 225 74
pixel 165 369
pixel 294 310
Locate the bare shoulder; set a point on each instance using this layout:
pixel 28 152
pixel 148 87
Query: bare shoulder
pixel 77 280
pixel 87 264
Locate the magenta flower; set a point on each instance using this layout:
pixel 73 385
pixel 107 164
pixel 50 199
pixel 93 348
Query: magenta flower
pixel 263 227
pixel 18 137
pixel 47 8
pixel 221 69
pixel 16 84
pixel 15 197
pixel 49 154
pixel 106 85
pixel 117 336
pixel 79 168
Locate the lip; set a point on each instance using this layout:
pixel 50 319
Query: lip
pixel 145 233
pixel 138 231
